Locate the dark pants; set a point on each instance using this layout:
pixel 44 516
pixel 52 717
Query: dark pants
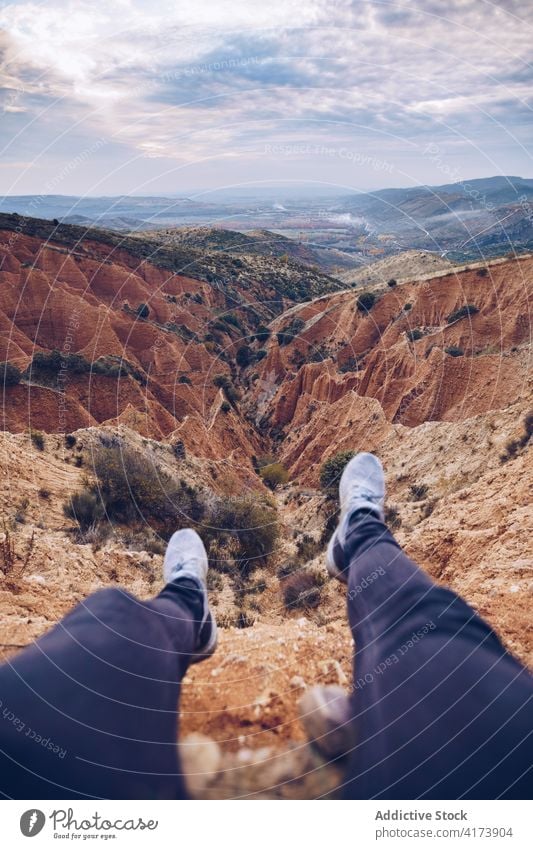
pixel 90 710
pixel 441 709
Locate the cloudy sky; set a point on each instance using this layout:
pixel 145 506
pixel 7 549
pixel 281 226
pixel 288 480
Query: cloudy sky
pixel 172 96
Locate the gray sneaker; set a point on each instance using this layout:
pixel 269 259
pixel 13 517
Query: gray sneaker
pixel 186 557
pixel 362 487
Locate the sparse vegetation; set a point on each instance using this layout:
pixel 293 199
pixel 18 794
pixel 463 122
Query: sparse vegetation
pixel 179 449
pixel 289 333
pixel 366 301
pixel 418 491
pixel 7 552
pixel 225 383
pixel 241 534
pixel 513 446
pixel 462 312
pixel 351 364
pixel 243 356
pixel 47 366
pixel 129 488
pixel 143 311
pixel 262 334
pixel 307 548
pixel 37 439
pixel 44 493
pixel 274 475
pixel 287 569
pixel 332 469
pixel 225 407
pixel 392 517
pixel 302 590
pixel 85 508
pixel 10 375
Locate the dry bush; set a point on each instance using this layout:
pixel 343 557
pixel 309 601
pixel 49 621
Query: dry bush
pixel 302 591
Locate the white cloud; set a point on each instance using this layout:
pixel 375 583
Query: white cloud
pixel 214 78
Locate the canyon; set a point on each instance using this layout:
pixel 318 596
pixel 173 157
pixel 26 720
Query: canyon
pixel 208 361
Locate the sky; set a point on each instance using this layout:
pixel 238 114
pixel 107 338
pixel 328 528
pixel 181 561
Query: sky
pixel 154 97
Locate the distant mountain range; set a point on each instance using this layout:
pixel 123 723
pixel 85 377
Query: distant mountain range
pixel 462 221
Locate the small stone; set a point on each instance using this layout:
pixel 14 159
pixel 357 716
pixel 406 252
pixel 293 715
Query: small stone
pixel 201 758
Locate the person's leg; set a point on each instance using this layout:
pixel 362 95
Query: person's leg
pixel 90 710
pixel 441 710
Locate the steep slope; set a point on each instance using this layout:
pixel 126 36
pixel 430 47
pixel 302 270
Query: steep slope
pixel 411 358
pixel 152 340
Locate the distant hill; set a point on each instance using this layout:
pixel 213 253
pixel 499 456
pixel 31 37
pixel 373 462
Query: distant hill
pixel 409 265
pixel 258 242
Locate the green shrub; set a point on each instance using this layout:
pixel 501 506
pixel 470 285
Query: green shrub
pixel 179 449
pixel 453 351
pixel 246 529
pixel 85 508
pixel 232 319
pixel 224 382
pixel 243 356
pixel 262 333
pixel 70 440
pixel 184 379
pixel 225 407
pixel 392 283
pixel 10 375
pixel 366 301
pixel 414 335
pixel 133 488
pixel 332 469
pixel 143 311
pixel 274 475
pixel 462 312
pixel 302 591
pixel 260 354
pixel 37 439
pixel 407 307
pixel 482 272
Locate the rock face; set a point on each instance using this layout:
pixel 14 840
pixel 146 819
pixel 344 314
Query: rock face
pixel 442 396
pixel 349 374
